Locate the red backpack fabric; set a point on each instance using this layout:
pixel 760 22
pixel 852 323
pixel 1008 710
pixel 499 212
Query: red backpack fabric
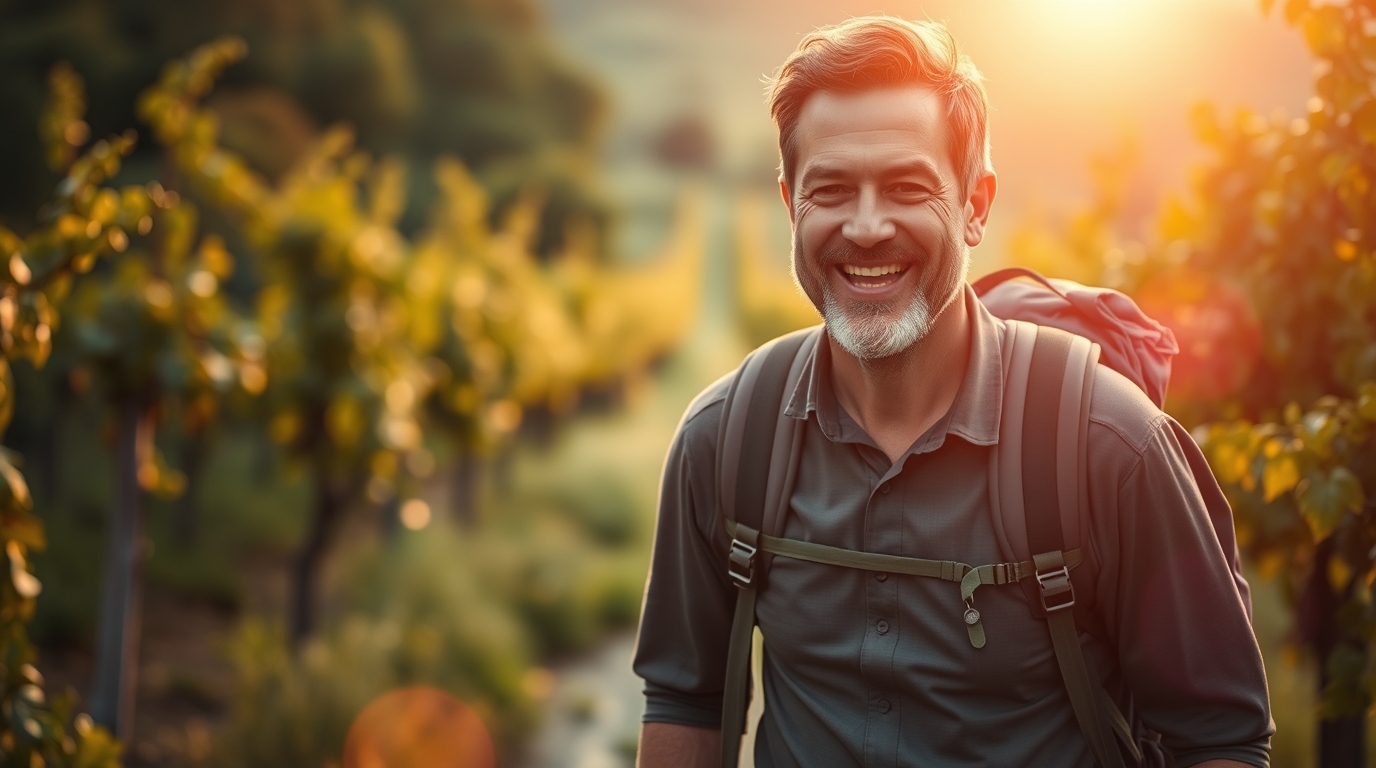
pixel 1133 344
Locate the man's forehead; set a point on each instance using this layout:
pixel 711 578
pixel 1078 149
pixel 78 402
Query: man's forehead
pixel 902 120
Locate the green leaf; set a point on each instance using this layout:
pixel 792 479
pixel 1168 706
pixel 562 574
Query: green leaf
pixel 1344 695
pixel 1325 498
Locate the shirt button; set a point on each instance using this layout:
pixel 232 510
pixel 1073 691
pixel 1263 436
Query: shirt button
pixel 884 706
pixel 882 626
pixel 881 576
pixel 884 488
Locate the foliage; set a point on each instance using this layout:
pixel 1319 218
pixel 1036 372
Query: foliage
pixel 86 220
pixel 1266 273
pixel 362 339
pixel 468 613
pixel 367 333
pixel 472 79
pixel 768 303
pixel 1087 246
pixel 1286 214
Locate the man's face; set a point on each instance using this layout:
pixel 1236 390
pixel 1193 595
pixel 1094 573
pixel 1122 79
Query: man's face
pixel 880 226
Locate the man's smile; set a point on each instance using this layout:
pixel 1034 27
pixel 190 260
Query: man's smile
pixel 876 276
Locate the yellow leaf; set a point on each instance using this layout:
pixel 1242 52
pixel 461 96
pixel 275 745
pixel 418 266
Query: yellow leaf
pixel 1325 30
pixel 1364 119
pixel 1339 573
pixel 14 492
pixel 24 582
pixel 1280 475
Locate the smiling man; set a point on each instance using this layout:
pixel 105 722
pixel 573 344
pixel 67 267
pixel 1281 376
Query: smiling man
pixel 888 184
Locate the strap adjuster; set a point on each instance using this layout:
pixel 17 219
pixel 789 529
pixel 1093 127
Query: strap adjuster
pixel 1057 592
pixel 741 564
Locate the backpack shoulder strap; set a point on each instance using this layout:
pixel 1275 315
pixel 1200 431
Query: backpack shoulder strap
pixel 757 457
pixel 1038 473
pixel 1039 486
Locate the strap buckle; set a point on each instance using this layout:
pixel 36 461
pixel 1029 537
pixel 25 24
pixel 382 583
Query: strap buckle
pixel 741 564
pixel 1058 593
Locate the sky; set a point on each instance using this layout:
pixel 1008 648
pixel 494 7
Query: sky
pixel 1066 78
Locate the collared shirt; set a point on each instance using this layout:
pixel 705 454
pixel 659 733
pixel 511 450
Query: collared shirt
pixel 876 670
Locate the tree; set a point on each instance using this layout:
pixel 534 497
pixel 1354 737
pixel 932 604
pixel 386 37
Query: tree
pixel 150 327
pixel 1266 272
pixel 418 79
pixel 372 339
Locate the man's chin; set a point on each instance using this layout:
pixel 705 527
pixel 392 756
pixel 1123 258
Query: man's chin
pixel 876 337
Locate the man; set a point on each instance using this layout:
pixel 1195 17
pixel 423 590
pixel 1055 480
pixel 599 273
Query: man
pixel 887 181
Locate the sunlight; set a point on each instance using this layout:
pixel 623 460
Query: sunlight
pixel 1101 18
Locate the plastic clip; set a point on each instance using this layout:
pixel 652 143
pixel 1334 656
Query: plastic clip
pixel 1058 593
pixel 741 564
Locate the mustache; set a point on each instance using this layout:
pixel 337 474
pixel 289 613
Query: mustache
pixel 844 251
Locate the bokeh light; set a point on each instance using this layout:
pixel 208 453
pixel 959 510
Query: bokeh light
pixel 415 514
pixel 418 727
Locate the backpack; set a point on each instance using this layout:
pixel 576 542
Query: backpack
pixel 1055 334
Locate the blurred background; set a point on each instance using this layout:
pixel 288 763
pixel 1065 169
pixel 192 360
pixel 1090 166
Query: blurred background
pixel 335 394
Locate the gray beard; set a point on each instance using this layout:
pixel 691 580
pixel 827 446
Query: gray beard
pixel 870 336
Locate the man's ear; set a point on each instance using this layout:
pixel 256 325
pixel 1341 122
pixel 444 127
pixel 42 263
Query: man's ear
pixel 977 208
pixel 788 199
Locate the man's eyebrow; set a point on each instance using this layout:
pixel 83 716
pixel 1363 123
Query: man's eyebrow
pixel 919 166
pixel 815 173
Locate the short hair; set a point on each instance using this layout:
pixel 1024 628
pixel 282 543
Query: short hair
pixel 869 52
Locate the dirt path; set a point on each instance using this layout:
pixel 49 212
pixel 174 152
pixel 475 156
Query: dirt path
pixel 593 715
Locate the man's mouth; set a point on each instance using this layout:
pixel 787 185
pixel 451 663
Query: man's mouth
pixel 876 276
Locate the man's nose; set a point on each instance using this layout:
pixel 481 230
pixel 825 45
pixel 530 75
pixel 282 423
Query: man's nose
pixel 869 224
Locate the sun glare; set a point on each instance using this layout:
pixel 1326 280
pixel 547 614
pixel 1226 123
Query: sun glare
pixel 1100 16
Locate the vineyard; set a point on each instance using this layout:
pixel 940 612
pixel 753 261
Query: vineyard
pixel 321 358
pixel 362 362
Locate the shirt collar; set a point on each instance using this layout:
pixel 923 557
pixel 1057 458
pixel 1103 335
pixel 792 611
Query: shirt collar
pixel 974 416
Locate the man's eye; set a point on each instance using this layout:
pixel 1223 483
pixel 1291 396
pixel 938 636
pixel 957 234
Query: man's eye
pixel 829 190
pixel 908 188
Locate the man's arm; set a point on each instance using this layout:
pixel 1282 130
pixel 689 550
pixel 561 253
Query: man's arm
pixel 685 623
pixel 1173 605
pixel 666 745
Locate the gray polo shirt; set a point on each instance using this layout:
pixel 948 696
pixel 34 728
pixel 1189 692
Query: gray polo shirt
pixel 876 669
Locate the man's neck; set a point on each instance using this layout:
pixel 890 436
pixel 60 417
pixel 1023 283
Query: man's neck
pixel 896 399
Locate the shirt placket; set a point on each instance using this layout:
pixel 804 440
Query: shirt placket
pixel 883 533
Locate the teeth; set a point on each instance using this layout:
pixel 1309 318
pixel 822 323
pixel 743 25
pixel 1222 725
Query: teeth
pixel 887 269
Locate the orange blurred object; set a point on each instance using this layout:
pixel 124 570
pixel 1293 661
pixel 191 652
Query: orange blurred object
pixel 418 727
pixel 1219 335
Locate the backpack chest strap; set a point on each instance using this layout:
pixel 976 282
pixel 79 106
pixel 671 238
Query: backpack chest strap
pixel 970 577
